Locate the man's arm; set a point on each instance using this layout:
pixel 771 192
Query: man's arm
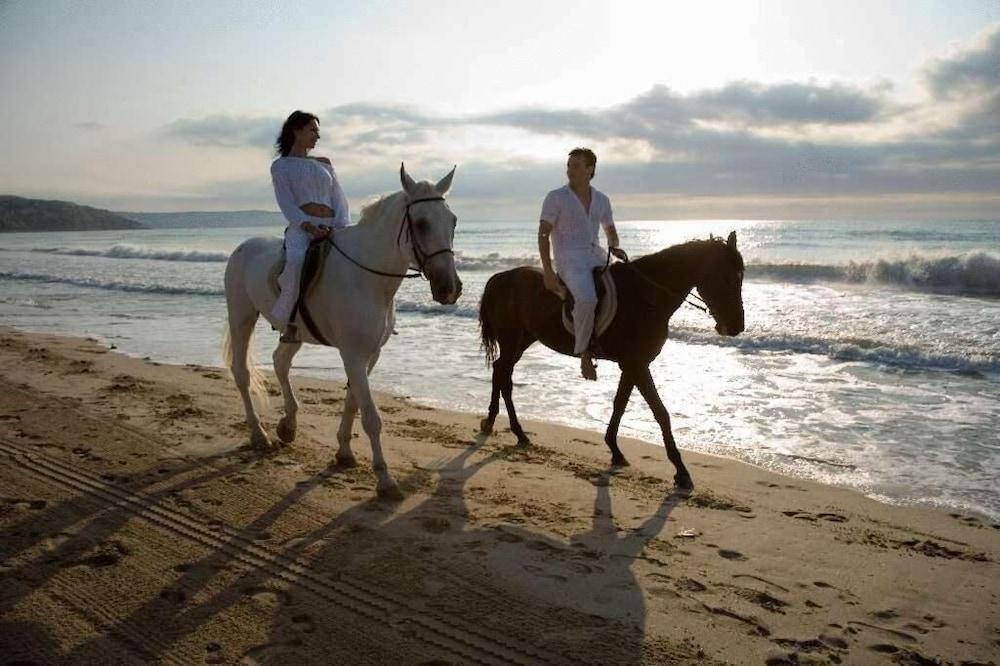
pixel 612 235
pixel 544 251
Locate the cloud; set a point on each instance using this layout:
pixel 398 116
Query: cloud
pixel 225 131
pixel 972 70
pixel 90 126
pixel 784 141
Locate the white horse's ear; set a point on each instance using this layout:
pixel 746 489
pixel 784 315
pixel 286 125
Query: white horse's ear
pixel 408 185
pixel 444 184
pixel 731 241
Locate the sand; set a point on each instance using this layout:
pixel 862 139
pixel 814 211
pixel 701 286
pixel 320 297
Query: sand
pixel 137 526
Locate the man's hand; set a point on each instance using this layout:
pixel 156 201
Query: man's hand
pixel 552 282
pixel 619 254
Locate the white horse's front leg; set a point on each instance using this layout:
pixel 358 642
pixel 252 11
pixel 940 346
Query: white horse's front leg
pixel 371 421
pixel 345 433
pixel 282 357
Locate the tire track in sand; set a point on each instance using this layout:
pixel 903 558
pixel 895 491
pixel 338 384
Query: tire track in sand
pixel 443 631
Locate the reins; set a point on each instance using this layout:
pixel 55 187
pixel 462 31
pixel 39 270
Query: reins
pixel 672 292
pixel 418 252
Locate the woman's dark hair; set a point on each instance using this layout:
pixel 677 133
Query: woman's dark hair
pixel 286 139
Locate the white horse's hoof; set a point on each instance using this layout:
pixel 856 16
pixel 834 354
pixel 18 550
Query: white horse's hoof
pixel 259 440
pixel 346 460
pixel 286 432
pixel 390 492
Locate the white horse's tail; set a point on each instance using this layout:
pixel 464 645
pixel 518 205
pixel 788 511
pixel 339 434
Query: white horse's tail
pixel 258 382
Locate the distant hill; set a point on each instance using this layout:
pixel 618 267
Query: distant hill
pixel 197 220
pixel 20 214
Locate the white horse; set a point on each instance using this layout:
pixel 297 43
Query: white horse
pixel 352 305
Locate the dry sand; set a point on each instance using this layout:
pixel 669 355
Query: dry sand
pixel 137 527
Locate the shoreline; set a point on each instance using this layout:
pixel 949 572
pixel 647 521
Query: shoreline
pixel 876 493
pixel 131 505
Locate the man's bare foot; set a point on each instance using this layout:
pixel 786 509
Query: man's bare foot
pixel 587 368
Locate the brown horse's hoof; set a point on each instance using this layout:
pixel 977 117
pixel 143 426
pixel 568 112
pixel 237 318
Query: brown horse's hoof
pixel 346 460
pixel 683 484
pixel 485 426
pixel 523 442
pixel 391 493
pixel 619 461
pixel 286 432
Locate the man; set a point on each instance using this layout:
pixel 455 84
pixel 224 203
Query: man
pixel 570 218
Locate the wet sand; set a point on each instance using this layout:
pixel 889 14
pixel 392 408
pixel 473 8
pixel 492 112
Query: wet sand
pixel 139 527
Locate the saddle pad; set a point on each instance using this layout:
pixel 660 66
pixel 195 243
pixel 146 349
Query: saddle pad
pixel 607 307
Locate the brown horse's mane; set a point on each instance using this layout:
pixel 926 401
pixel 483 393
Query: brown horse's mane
pixel 680 251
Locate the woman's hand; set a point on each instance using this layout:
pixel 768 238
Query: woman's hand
pixel 317 231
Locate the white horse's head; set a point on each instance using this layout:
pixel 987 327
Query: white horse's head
pixel 430 226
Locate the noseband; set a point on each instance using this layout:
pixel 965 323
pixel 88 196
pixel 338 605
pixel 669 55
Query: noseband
pixel 419 253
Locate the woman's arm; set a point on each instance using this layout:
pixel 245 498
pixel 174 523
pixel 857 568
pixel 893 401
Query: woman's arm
pixel 341 208
pixel 284 196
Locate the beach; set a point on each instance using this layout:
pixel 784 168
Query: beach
pixel 138 527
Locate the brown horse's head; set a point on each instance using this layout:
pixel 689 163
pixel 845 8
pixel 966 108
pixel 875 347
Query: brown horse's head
pixel 721 285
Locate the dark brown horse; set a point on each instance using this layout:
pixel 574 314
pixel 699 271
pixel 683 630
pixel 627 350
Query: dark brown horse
pixel 516 311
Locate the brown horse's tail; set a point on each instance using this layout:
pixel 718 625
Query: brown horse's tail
pixel 486 330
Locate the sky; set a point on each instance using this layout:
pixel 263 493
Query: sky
pixel 795 109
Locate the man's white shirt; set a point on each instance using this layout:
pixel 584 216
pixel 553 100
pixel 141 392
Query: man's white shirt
pixel 574 230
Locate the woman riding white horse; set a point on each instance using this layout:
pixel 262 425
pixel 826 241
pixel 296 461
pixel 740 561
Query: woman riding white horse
pixel 352 305
pixel 311 199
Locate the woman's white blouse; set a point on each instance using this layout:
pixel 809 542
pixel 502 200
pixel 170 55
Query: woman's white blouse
pixel 302 180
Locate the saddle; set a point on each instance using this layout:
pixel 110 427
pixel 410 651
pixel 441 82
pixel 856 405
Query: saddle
pixel 312 271
pixel 607 303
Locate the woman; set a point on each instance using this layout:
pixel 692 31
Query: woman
pixel 311 200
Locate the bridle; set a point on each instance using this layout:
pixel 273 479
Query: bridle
pixel 672 292
pixel 419 253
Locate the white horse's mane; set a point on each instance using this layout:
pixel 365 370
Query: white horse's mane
pixel 374 209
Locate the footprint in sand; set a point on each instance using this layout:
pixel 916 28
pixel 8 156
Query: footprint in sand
pixel 690 585
pixel 214 654
pixel 541 573
pixel 106 554
pixel 25 504
pixel 433 524
pixel 507 537
pixel 732 555
pixel 174 596
pixel 303 623
pixel 283 652
pixel 267 596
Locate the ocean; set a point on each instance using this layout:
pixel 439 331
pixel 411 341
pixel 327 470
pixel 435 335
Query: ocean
pixel 871 356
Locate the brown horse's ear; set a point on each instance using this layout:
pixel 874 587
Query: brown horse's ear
pixel 731 241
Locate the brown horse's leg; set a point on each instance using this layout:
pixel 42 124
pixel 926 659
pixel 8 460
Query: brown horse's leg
pixel 486 425
pixel 512 346
pixel 644 382
pixel 625 385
